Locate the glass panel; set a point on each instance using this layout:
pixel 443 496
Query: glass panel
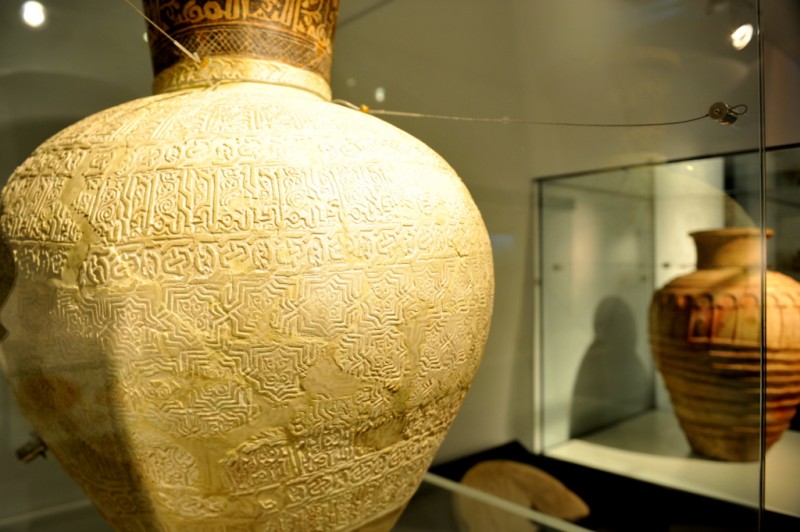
pixel 609 426
pixel 442 504
pixel 438 506
pixel 608 240
pixel 591 407
pixel 620 363
pixel 596 274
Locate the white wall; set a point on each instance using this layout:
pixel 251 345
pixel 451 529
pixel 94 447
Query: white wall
pixel 597 278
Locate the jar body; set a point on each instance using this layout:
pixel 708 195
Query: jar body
pixel 242 304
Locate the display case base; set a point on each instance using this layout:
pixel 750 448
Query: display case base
pixel 651 447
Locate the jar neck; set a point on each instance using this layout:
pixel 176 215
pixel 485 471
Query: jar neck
pixel 218 70
pixel 288 42
pixel 732 247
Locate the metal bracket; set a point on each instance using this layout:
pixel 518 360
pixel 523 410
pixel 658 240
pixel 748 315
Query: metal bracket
pixel 33 449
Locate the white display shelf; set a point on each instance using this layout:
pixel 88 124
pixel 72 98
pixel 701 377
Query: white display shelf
pixel 651 447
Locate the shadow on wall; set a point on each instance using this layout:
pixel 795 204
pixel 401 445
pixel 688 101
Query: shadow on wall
pixel 612 382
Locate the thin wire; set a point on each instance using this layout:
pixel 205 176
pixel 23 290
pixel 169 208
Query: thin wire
pixel 192 55
pixel 346 22
pixel 735 110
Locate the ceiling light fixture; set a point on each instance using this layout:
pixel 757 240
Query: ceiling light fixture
pixel 33 14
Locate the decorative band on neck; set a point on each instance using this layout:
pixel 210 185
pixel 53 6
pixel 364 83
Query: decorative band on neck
pixel 296 32
pixel 219 69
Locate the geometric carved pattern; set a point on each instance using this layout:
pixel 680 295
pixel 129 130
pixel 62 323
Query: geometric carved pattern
pixel 275 370
pixel 274 323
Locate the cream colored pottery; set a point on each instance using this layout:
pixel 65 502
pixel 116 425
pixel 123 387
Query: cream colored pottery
pixel 237 305
pixel 705 333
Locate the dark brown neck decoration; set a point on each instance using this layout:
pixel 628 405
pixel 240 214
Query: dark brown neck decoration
pixel 298 33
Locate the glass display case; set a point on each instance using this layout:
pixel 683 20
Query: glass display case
pixel 582 131
pixel 608 241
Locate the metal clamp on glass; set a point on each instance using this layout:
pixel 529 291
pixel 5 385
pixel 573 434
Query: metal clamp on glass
pixel 33 449
pixel 720 112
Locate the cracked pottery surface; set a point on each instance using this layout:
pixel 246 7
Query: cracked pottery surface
pixel 239 306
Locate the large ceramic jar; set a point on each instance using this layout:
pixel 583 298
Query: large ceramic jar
pixel 237 305
pixel 706 337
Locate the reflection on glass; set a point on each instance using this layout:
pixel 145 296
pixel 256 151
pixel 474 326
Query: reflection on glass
pixel 741 36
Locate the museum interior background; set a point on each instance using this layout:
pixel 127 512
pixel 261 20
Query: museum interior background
pixel 576 61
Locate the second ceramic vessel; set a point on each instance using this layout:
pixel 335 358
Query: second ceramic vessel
pixel 706 337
